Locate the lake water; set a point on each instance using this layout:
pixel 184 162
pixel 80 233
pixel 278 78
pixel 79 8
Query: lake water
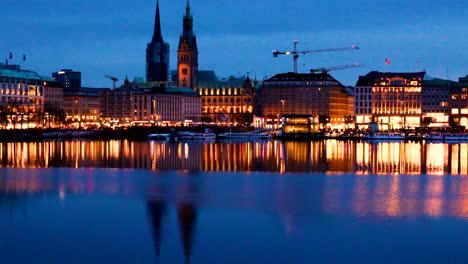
pixel 257 202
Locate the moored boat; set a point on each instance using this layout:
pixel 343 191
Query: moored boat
pixel 383 136
pixel 447 137
pixel 158 136
pixel 245 136
pixel 184 135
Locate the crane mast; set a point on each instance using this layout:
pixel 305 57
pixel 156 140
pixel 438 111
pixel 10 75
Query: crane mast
pixel 296 52
pixel 334 68
pixel 114 80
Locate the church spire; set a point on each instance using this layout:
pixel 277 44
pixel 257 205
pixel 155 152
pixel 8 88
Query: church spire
pixel 187 9
pixel 157 35
pixel 187 54
pixel 157 53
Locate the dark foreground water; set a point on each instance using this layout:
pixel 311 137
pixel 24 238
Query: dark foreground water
pixel 64 215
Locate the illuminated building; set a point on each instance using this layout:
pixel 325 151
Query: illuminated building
pixel 166 105
pixel 116 106
pixel 459 105
pixel 157 54
pixel 392 100
pixel 81 106
pixel 21 97
pixel 317 95
pixel 53 103
pixel 228 102
pixel 436 107
pixel 187 53
pixel 68 78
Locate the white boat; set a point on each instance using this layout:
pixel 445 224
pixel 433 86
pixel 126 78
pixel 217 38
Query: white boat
pixel 184 135
pixel 158 136
pixel 456 137
pixel 434 137
pixel 448 137
pixel 245 136
pixel 383 136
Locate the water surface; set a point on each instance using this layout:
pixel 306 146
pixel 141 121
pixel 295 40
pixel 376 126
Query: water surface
pixel 220 202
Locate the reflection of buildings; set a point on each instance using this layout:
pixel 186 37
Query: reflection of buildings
pixel 157 210
pixel 188 193
pixel 187 219
pixel 332 156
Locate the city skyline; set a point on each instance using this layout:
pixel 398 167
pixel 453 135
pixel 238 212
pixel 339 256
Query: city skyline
pixel 414 36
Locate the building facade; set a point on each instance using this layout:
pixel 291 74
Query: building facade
pixel 54 115
pixel 228 102
pixel 157 54
pixel 187 53
pixel 82 108
pixel 436 102
pixel 317 95
pixel 459 104
pixel 68 78
pixel 116 106
pixel 392 100
pixel 166 106
pixel 21 98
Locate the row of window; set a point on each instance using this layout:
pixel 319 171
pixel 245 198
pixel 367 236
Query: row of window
pixel 221 91
pixel 303 84
pixel 220 100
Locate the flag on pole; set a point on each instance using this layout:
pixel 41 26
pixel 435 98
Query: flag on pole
pixel 11 55
pixel 24 57
pixel 387 61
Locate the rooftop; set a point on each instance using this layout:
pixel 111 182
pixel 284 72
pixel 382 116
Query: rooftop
pixel 369 79
pixel 19 74
pixel 302 77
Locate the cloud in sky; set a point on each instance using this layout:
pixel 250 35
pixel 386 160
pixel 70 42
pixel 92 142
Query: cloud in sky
pixel 235 37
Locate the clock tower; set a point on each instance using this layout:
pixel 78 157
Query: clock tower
pixel 187 53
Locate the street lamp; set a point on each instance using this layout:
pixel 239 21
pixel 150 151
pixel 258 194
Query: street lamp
pixel 282 105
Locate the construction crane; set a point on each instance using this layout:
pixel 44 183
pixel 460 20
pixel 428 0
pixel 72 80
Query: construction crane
pixel 114 80
pixel 296 52
pixel 334 68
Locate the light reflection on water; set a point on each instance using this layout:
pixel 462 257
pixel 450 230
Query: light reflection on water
pixel 329 156
pixel 360 195
pixel 178 216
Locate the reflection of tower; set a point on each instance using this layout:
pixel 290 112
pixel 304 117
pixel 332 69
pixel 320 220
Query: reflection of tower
pixel 189 191
pixel 187 220
pixel 157 54
pixel 156 211
pixel 187 54
pixel 423 160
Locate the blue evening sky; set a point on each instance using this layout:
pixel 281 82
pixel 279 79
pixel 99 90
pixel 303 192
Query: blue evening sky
pixel 99 37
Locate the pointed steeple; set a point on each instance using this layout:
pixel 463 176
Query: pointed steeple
pixel 157 53
pixel 187 53
pixel 187 220
pixel 157 35
pixel 187 9
pixel 156 211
